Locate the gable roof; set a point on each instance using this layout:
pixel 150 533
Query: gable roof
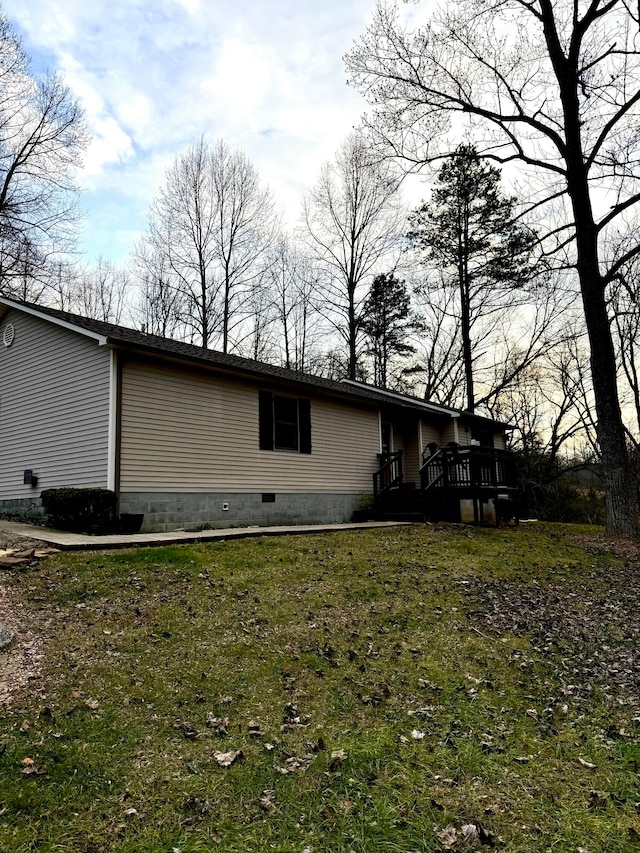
pixel 109 334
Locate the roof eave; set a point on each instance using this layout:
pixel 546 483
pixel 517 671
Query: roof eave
pixel 57 321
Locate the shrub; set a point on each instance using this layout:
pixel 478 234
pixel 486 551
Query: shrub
pixel 89 510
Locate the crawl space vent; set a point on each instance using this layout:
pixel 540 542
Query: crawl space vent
pixel 9 335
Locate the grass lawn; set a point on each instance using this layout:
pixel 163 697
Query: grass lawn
pixel 374 690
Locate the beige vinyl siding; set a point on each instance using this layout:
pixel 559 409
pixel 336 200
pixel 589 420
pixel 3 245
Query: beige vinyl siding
pixel 190 431
pixel 449 433
pixel 54 408
pixel 464 435
pixel 430 433
pixel 411 465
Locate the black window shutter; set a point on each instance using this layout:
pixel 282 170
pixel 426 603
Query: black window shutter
pixel 266 420
pixel 304 414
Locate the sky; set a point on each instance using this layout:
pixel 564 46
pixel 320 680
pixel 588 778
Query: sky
pixel 153 76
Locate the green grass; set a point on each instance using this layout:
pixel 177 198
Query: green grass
pixel 382 644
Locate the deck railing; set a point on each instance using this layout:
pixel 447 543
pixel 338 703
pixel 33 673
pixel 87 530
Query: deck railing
pixel 455 467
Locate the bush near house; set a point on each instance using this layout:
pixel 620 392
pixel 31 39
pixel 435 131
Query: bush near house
pixel 88 510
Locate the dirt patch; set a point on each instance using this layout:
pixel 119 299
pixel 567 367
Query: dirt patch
pixel 21 660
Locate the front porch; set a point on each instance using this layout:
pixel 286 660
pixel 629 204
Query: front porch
pixel 473 484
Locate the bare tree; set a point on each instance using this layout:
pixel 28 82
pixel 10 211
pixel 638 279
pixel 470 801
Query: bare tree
pixel 549 403
pixel 62 285
pixel 504 342
pixel 245 229
pixel 182 240
pixel 209 226
pixel 159 308
pixel 291 278
pixel 550 408
pixel 624 302
pixel 438 367
pixel 258 339
pixel 352 220
pixel 42 138
pixel 103 291
pixel 553 88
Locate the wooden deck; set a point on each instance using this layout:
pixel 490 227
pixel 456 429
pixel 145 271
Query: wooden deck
pixel 475 484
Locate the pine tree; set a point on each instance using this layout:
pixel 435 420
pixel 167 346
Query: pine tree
pixel 386 322
pixel 468 232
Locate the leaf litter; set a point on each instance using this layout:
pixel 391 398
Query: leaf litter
pixel 587 631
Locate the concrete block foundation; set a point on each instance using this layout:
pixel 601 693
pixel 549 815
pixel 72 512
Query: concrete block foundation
pixel 165 511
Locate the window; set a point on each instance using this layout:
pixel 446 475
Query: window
pixel 483 437
pixel 285 423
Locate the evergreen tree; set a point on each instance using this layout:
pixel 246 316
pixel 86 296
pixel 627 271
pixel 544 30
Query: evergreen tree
pixel 468 232
pixel 386 322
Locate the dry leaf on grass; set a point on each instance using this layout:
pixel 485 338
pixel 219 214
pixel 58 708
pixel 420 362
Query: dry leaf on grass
pixel 470 834
pixel 220 725
pixel 295 764
pixel 226 759
pixel 448 837
pixel 266 800
pixel 336 761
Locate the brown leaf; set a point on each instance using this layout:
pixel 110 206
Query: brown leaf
pixel 266 800
pixel 226 759
pixel 220 725
pixel 188 731
pixel 336 761
pixel 448 837
pixel 470 834
pixel 597 800
pixel 294 764
pixel 328 813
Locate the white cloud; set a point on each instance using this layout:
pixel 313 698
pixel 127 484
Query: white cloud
pixel 191 6
pixel 154 75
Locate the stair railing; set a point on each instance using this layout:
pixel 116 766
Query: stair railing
pixel 433 470
pixel 389 475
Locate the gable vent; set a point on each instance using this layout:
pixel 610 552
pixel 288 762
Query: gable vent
pixel 9 335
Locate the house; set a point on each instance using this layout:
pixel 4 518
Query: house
pixel 188 436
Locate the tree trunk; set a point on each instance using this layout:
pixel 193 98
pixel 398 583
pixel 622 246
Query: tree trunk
pixel 620 480
pixel 353 331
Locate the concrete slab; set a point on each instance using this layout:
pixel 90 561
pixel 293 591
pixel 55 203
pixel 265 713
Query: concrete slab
pixel 83 542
